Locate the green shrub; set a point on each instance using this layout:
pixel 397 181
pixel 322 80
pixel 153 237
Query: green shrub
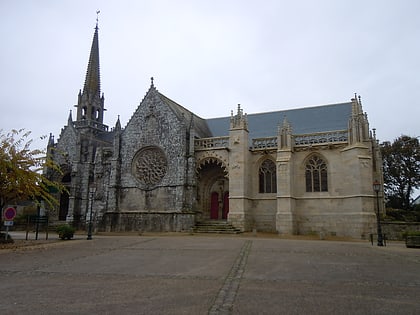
pixel 411 233
pixel 402 215
pixel 65 231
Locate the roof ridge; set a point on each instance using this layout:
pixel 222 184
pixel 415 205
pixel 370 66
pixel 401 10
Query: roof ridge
pixel 288 109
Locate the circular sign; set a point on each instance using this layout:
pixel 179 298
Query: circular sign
pixel 9 214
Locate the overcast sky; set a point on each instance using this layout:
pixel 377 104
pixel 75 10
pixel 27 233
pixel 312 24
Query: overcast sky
pixel 211 55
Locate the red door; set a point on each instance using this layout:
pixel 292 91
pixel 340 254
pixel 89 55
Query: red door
pixel 214 206
pixel 225 205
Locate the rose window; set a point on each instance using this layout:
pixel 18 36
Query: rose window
pixel 149 165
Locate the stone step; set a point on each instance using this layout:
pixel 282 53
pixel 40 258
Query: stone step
pixel 222 227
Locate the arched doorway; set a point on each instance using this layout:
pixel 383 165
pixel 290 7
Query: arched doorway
pixel 213 191
pixel 64 198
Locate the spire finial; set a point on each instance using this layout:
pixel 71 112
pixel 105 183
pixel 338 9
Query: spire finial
pixel 151 82
pixel 97 17
pixel 70 119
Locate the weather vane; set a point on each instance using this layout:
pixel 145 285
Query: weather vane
pixel 97 16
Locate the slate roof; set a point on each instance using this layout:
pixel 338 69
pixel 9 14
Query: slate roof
pixel 199 124
pixel 303 120
pixel 106 136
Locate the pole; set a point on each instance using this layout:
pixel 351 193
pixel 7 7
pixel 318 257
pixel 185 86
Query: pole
pixel 38 212
pixel 7 233
pixel 380 239
pixel 89 236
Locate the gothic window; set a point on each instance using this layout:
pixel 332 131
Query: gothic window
pixel 267 177
pixel 316 175
pixel 66 178
pixel 149 166
pixel 95 113
pixel 84 110
pixel 96 116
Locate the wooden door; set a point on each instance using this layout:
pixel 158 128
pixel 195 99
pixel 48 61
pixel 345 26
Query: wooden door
pixel 214 206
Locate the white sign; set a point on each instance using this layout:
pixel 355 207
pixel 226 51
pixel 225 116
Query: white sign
pixel 8 223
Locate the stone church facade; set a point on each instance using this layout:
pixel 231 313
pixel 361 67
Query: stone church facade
pixel 300 171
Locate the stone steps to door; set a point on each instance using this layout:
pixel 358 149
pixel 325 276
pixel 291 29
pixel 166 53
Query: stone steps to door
pixel 215 226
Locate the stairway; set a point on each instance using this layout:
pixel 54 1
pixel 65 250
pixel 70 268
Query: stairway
pixel 215 226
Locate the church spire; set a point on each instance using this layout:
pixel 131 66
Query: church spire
pixel 92 82
pixel 90 105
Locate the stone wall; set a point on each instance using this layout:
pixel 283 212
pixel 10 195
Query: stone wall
pixel 146 222
pixel 395 230
pixel 264 214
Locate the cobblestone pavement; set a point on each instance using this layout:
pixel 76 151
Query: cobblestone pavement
pixel 201 274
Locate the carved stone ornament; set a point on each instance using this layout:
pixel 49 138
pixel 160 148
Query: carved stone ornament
pixel 149 165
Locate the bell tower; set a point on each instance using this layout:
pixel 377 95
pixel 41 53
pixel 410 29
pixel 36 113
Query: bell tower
pixel 90 104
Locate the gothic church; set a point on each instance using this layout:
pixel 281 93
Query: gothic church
pixel 300 171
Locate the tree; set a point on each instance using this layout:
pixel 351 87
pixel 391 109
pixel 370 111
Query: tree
pixel 21 170
pixel 401 163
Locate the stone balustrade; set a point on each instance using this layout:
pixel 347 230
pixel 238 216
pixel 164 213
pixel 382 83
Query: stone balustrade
pixel 211 143
pixel 264 143
pixel 321 138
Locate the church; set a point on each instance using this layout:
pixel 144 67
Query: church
pixel 300 171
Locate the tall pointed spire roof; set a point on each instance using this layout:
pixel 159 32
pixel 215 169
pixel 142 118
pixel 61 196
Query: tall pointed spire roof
pixel 92 82
pixel 90 104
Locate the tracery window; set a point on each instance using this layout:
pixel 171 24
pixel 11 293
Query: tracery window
pixel 149 166
pixel 316 175
pixel 267 177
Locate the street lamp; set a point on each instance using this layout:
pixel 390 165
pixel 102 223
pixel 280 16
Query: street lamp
pixel 91 194
pixel 377 188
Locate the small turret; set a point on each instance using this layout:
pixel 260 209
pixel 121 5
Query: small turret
pixel 358 123
pixel 240 120
pixel 285 135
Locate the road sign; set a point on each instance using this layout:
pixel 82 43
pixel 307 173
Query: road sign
pixel 9 214
pixel 8 223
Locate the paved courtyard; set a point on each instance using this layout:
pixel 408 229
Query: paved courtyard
pixel 203 274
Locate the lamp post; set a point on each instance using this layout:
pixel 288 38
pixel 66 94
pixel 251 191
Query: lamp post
pixel 91 194
pixel 377 188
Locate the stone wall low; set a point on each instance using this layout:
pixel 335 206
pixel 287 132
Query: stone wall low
pixel 337 217
pixel 395 230
pixel 264 215
pixel 147 222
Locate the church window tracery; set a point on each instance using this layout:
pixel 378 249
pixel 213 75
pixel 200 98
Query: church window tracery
pixel 267 177
pixel 149 166
pixel 316 175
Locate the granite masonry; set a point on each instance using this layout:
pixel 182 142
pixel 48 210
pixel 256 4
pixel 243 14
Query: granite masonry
pixel 301 171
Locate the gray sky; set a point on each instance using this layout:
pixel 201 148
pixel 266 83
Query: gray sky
pixel 211 55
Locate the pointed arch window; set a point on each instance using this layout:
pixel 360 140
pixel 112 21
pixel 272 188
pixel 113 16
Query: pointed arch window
pixel 84 112
pixel 316 175
pixel 267 177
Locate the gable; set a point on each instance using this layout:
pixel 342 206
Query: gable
pixel 67 144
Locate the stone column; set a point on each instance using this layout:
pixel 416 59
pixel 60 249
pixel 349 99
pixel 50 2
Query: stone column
pixel 285 222
pixel 238 171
